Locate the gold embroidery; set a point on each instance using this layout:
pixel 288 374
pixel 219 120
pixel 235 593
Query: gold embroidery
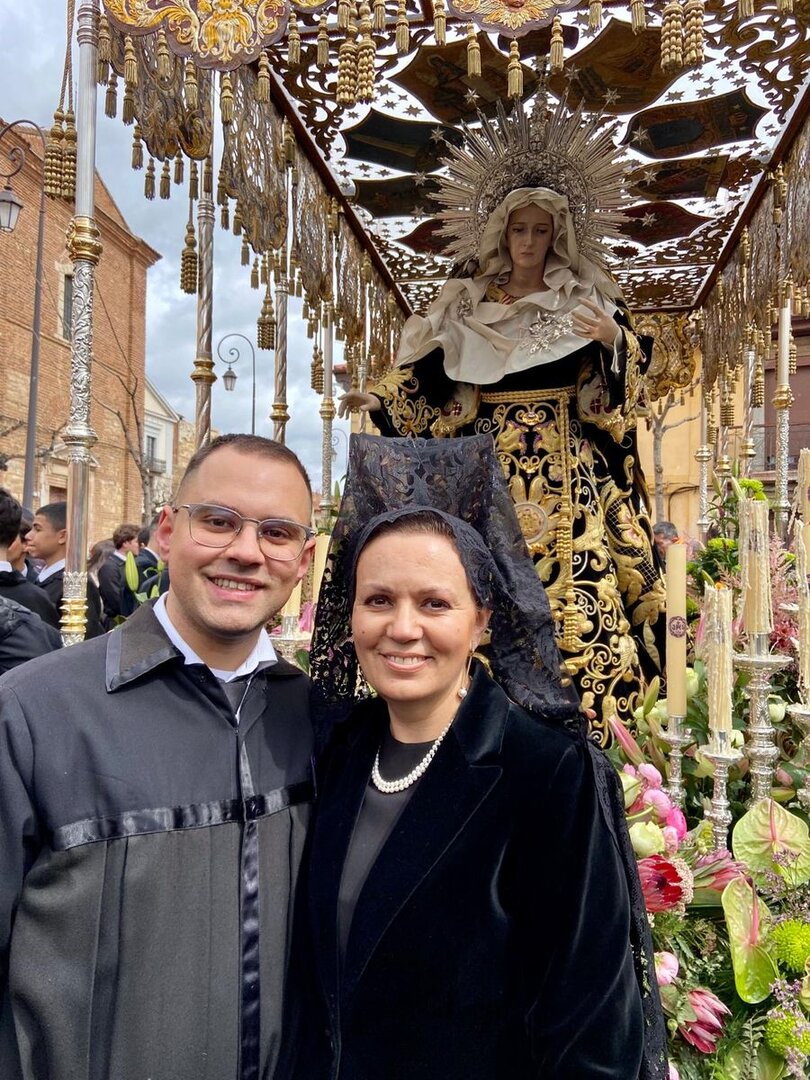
pixel 409 415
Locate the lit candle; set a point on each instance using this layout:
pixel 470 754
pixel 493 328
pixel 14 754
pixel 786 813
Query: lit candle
pixel 293 605
pixel 319 563
pixel 783 348
pixel 717 651
pixel 755 576
pixel 676 629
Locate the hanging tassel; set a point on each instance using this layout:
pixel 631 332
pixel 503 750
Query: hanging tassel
pixel 194 181
pixel 316 376
pixel 402 36
pixel 556 56
pixel 514 72
pixel 104 49
pixel 137 148
pixel 263 81
pixel 222 191
pixel 225 217
pixel 52 165
pixel 322 50
pixel 245 250
pixel 379 16
pixel 672 38
pixel 179 167
pixel 784 7
pixel 793 357
pixel 473 52
pixel 289 148
pixel 111 97
pixel 164 59
pixel 226 98
pixel 254 274
pixel 128 111
pixel 638 16
pixel 208 177
pixel 189 261
pixel 365 56
pixel 293 41
pixel 263 277
pixel 237 222
pixel 347 69
pixel 343 20
pixel 149 180
pixel 130 63
pixel 266 324
pixel 693 33
pixel 165 181
pixel 190 85
pixel 745 9
pixel 595 14
pixel 69 157
pixel 440 22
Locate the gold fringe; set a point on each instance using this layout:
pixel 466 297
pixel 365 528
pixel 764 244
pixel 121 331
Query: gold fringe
pixel 403 31
pixel 69 156
pixel 263 81
pixel 322 48
pixel 745 9
pixel 194 181
pixel 149 180
pixel 164 58
pixel 693 44
pixel 293 41
pixel 514 72
pixel 130 63
pixel 128 111
pixel 222 191
pixel 793 357
pixel 440 22
pixel 225 217
pixel 595 14
pixel 254 274
pixel 343 20
pixel 190 85
pixel 473 52
pixel 226 98
pixel 208 177
pixel 347 69
pixel 266 324
pixel 263 270
pixel 104 49
pixel 365 56
pixel 137 148
pixel 672 38
pixel 379 15
pixel 245 250
pixel 179 167
pixel 165 181
pixel 316 372
pixel 784 7
pixel 52 165
pixel 237 220
pixel 638 16
pixel 556 56
pixel 111 97
pixel 189 262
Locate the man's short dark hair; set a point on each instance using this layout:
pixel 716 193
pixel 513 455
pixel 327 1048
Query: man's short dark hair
pixel 56 513
pixel 144 534
pixel 124 533
pixel 246 444
pixel 10 518
pixel 665 529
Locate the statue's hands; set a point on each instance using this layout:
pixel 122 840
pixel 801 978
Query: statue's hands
pixel 598 326
pixel 356 401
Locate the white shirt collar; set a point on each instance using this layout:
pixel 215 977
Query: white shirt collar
pixel 49 571
pixel 262 653
pixel 5 567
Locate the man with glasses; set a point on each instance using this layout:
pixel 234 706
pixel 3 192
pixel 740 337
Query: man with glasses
pixel 155 786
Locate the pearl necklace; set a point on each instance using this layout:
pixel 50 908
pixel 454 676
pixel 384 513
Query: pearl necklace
pixel 389 787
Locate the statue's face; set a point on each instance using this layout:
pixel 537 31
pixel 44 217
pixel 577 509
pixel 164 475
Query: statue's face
pixel 529 233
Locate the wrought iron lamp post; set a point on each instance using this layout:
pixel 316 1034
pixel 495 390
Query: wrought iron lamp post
pixel 229 378
pixel 10 207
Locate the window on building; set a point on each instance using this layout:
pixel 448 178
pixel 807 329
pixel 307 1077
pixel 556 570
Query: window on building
pixel 67 306
pixel 151 447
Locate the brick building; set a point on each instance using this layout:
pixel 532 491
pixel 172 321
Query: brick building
pixel 119 346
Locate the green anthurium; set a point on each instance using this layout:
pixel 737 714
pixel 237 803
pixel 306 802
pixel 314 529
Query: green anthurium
pixel 651 696
pixel 131 575
pixel 748 919
pixel 766 830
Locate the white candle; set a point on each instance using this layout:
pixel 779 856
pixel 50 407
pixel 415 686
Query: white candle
pixel 755 575
pixel 783 349
pixel 319 562
pixel 676 629
pixel 293 605
pixel 719 669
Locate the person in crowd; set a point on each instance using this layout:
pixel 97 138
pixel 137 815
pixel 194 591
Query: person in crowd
pixel 23 634
pixel 13 583
pixel 111 581
pixel 97 556
pixel 471 907
pixel 151 574
pixel 47 540
pixel 664 534
pixel 155 787
pixel 20 558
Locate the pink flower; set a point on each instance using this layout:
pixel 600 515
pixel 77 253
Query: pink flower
pixel 666 968
pixel 715 871
pixel 650 774
pixel 676 820
pixel 673 1072
pixel 671 841
pixel 659 801
pixel 630 748
pixel 705 1030
pixel 664 883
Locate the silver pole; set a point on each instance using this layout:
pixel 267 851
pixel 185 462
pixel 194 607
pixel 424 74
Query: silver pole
pixel 203 374
pixel 279 414
pixel 85 251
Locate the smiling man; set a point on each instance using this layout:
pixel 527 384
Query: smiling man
pixel 154 794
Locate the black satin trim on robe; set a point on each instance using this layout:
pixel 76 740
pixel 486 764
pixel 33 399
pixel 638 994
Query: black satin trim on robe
pixel 176 818
pixel 250 1012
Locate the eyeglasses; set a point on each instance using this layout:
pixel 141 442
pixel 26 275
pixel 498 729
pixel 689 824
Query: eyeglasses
pixel 217 527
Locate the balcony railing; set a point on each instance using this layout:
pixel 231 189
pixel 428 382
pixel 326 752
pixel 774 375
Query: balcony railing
pixel 764 436
pixel 154 465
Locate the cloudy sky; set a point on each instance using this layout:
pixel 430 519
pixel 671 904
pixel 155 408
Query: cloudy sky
pixel 30 78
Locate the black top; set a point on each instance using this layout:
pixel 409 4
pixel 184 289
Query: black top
pixel 15 586
pixel 378 816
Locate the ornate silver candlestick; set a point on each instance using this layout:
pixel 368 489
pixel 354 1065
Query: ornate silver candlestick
pixel 722 755
pixel 801 714
pixel 760 666
pixel 676 736
pixel 291 639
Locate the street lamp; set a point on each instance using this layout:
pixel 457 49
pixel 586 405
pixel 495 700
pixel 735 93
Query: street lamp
pixel 229 378
pixel 10 207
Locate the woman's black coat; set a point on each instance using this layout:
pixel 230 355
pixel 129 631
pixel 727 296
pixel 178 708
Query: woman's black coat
pixel 491 938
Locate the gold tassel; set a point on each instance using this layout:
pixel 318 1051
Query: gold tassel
pixel 194 181
pixel 365 56
pixel 672 38
pixel 137 148
pixel 226 98
pixel 289 147
pixel 556 55
pixel 225 217
pixel 245 250
pixel 473 52
pixel 402 36
pixel 263 81
pixel 343 20
pixel 440 22
pixel 266 325
pixel 111 97
pixel 52 165
pixel 316 375
pixel 638 16
pixel 784 7
pixel 189 261
pixel 263 270
pixel 758 385
pixel 745 9
pixel 222 191
pixel 104 49
pixel 128 111
pixel 379 15
pixel 322 50
pixel 190 85
pixel 514 72
pixel 165 181
pixel 149 180
pixel 570 619
pixel 237 222
pixel 347 69
pixel 208 177
pixel 179 167
pixel 164 59
pixel 293 41
pixel 693 33
pixel 254 274
pixel 130 63
pixel 69 157
pixel 793 358
pixel 595 14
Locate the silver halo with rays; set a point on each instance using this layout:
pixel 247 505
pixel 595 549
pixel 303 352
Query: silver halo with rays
pixel 552 147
